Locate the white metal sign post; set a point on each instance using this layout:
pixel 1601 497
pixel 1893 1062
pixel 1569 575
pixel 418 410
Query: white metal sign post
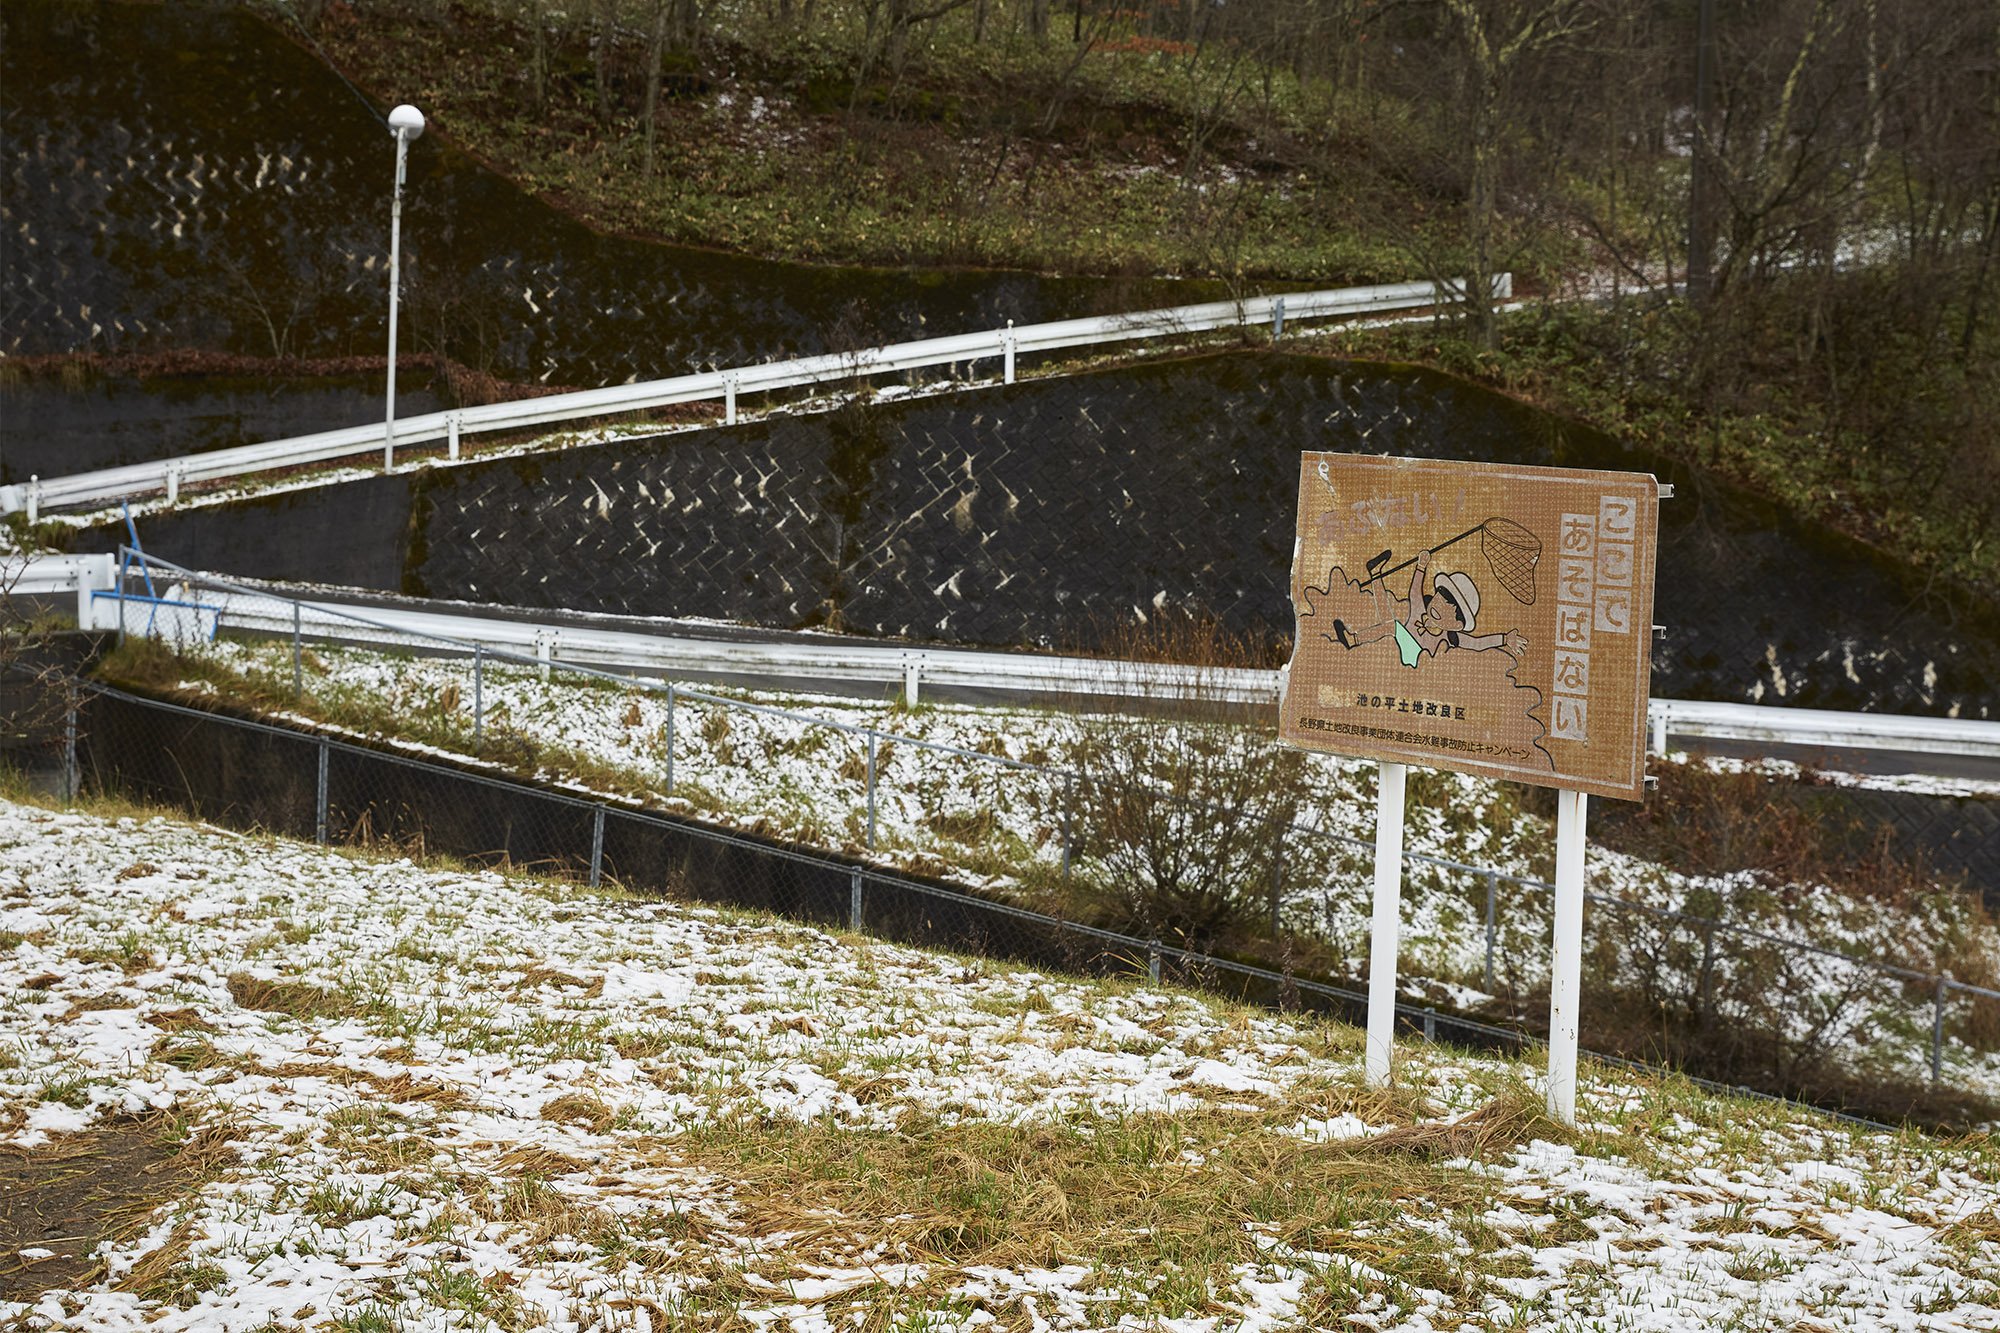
pixel 1487 619
pixel 1387 921
pixel 1566 965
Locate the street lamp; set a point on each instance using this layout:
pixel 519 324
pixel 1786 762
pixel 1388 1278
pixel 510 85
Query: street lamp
pixel 406 123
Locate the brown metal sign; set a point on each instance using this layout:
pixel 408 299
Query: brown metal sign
pixel 1481 617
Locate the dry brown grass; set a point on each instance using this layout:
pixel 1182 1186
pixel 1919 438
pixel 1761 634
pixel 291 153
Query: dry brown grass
pixel 151 1270
pixel 539 976
pixel 1152 1194
pixel 404 1088
pixel 580 1108
pixel 544 1162
pixel 179 1020
pixel 1506 1122
pixel 298 999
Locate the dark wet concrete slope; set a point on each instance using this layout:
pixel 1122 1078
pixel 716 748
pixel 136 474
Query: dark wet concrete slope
pixel 1047 512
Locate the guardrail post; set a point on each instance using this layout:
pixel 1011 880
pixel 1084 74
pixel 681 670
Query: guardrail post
pixel 1492 931
pixel 1153 961
pixel 1277 319
pixel 478 698
pixel 871 788
pixel 1007 354
pixel 670 740
pixel 596 846
pixel 1937 1031
pixel 1660 732
pixel 545 650
pixel 728 400
pixel 451 436
pixel 34 499
pixel 854 903
pixel 1430 1024
pixel 319 799
pixel 298 653
pixel 912 676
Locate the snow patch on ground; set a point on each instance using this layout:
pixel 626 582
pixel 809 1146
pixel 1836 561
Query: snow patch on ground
pixel 486 1113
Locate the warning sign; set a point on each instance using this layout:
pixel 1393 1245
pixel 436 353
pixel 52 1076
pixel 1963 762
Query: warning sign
pixel 1482 617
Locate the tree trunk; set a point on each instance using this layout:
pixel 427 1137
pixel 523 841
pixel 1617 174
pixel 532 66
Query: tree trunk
pixel 1481 205
pixel 538 61
pixel 655 48
pixel 601 64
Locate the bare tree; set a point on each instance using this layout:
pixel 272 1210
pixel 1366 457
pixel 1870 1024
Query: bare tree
pixel 1498 39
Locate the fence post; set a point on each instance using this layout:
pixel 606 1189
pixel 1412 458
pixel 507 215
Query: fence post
pixel 70 775
pixel 478 698
pixel 1069 823
pixel 596 846
pixel 1491 926
pixel 871 789
pixel 319 801
pixel 854 903
pixel 1937 1031
pixel 121 596
pixel 298 653
pixel 670 740
pixel 1277 881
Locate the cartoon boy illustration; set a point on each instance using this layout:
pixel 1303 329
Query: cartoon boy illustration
pixel 1434 624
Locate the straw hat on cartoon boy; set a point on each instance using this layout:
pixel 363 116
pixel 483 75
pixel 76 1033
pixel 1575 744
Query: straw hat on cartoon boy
pixel 1460 591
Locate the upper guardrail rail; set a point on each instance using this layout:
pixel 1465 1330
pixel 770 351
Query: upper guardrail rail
pixel 655 649
pixel 107 485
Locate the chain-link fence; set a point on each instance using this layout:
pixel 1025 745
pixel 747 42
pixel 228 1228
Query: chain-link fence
pixel 1694 990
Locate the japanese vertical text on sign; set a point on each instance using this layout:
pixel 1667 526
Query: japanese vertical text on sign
pixel 1482 617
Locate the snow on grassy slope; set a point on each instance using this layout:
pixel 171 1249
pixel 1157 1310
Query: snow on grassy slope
pixel 434 1098
pixel 998 828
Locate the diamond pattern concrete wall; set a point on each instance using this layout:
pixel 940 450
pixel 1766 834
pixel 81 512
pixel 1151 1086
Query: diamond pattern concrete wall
pixel 1043 513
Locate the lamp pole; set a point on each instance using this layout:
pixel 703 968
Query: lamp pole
pixel 406 123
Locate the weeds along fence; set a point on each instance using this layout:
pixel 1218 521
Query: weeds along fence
pixel 1703 989
pixel 245 773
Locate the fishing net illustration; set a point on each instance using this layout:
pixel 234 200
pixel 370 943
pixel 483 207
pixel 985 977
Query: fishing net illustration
pixel 1512 553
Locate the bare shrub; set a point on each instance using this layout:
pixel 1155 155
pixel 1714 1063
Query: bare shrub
pixel 1183 807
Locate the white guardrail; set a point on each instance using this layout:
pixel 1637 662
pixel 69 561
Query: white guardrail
pixel 661 651
pixel 120 483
